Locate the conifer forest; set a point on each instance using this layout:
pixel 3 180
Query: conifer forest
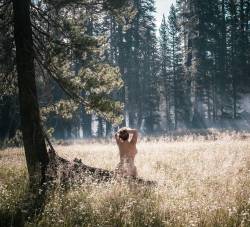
pixel 82 80
pixel 97 67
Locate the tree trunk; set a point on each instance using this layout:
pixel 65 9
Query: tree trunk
pixel 37 158
pixel 100 129
pixel 86 124
pixel 33 138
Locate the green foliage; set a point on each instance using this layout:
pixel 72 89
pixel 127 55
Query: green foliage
pixel 105 53
pixel 134 50
pixel 64 108
pixel 75 60
pixel 172 75
pixel 68 53
pixel 97 83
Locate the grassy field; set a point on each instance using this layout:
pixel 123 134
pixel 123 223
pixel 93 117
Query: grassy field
pixel 201 182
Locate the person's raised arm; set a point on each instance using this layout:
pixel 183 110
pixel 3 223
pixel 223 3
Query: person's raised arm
pixel 135 135
pixel 117 137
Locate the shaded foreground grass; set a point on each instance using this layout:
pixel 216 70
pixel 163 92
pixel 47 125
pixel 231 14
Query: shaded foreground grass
pixel 200 183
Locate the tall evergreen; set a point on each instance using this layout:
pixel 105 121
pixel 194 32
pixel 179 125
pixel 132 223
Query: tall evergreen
pixel 150 81
pixel 134 50
pixel 164 53
pixel 176 70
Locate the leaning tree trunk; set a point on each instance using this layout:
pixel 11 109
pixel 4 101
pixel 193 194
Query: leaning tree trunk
pixel 36 154
pixel 37 157
pixel 33 139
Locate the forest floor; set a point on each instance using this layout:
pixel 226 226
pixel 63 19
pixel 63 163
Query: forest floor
pixel 200 182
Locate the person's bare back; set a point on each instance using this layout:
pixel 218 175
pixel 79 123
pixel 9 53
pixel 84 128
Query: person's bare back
pixel 127 151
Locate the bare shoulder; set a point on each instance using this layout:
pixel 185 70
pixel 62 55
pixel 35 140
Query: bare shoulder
pixel 135 136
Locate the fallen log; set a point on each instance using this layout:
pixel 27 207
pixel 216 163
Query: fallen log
pixel 72 171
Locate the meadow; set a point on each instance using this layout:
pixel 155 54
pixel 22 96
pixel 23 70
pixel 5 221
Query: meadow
pixel 201 181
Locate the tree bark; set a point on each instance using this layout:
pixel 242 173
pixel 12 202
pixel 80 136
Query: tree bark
pixel 68 172
pixel 33 138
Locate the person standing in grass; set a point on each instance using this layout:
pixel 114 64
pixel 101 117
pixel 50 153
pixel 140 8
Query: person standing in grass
pixel 127 149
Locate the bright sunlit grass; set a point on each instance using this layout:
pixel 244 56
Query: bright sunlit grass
pixel 200 183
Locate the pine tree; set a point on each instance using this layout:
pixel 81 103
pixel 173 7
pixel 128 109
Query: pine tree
pixel 197 21
pixel 233 55
pixel 218 47
pixel 134 51
pixel 176 71
pixel 150 96
pixel 164 73
pixel 47 45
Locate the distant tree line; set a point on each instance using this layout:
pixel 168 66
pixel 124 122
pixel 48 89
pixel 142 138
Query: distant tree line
pixel 206 61
pixel 191 76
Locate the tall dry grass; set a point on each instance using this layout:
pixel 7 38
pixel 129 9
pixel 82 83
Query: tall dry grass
pixel 200 183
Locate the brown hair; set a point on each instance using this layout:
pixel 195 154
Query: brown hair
pixel 124 135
